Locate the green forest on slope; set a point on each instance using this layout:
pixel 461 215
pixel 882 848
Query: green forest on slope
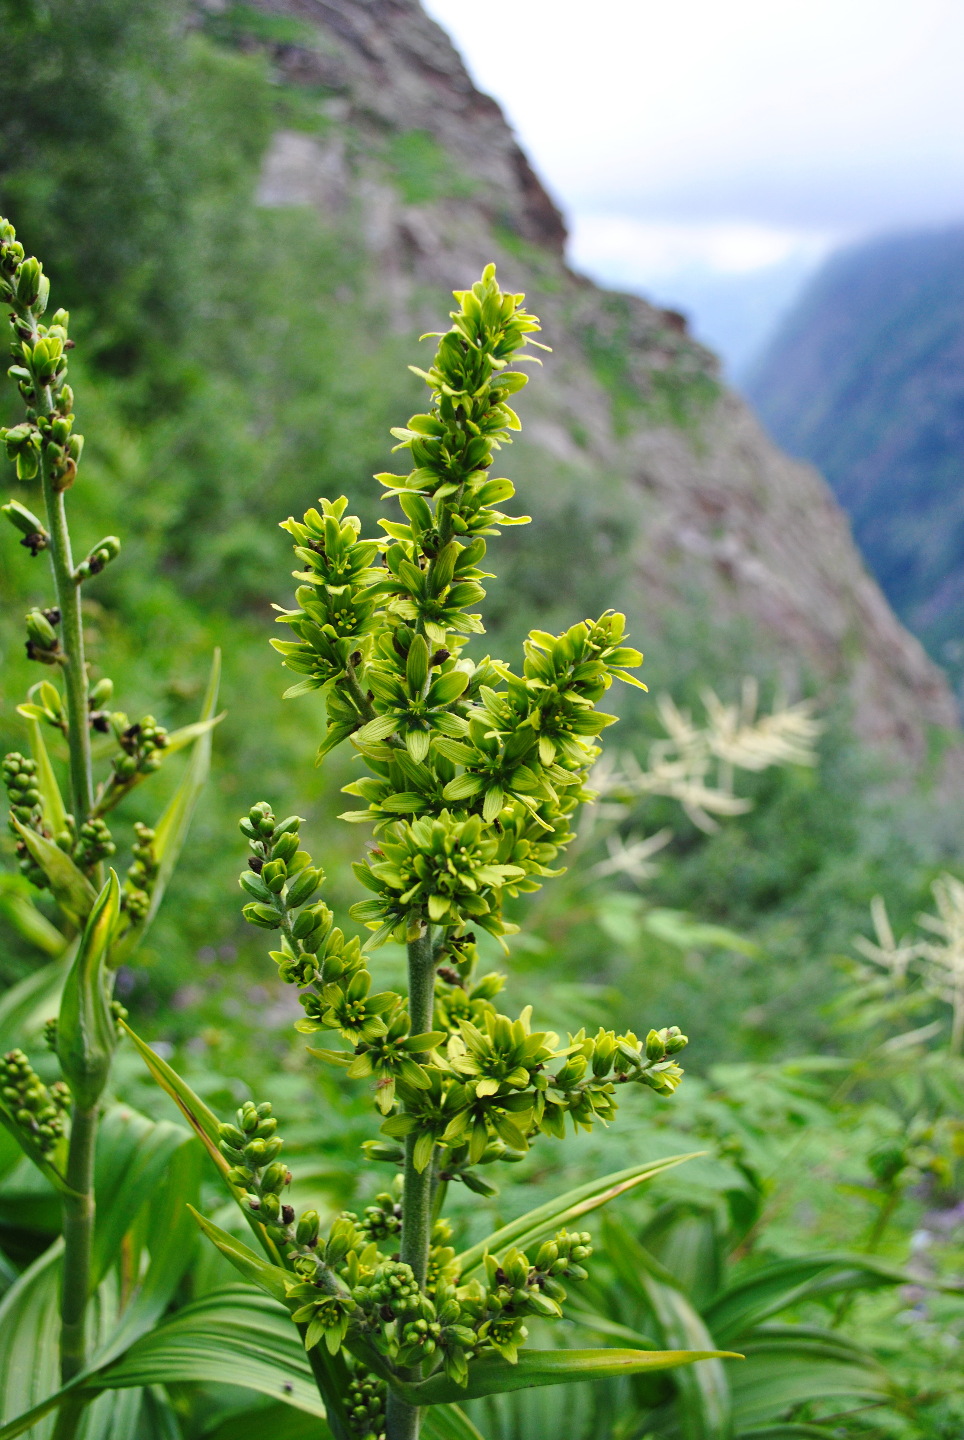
pixel 230 368
pixel 865 379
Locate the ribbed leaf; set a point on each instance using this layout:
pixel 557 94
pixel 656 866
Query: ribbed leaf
pixel 26 1006
pixel 566 1208
pixel 234 1336
pixel 29 1336
pixel 492 1375
pixel 275 1422
pixel 787 1431
pixel 773 1288
pixel 29 1332
pixel 133 1157
pixel 781 1372
pixel 448 1422
pixel 704 1394
pixel 69 886
pixel 172 1247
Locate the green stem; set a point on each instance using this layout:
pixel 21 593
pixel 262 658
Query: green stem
pixel 72 632
pixel 78 1210
pixel 403 1420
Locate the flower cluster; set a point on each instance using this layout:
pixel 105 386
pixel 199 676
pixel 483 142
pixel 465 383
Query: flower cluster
pixel 351 1283
pixel 474 777
pixel 38 1111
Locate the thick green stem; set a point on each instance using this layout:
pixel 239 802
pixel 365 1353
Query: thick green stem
pixel 403 1420
pixel 78 1242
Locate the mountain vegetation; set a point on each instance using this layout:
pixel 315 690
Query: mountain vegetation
pixel 251 211
pixel 865 379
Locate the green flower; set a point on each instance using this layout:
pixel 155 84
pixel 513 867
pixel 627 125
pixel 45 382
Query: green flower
pixel 356 1015
pixel 442 868
pixel 387 1057
pixel 413 705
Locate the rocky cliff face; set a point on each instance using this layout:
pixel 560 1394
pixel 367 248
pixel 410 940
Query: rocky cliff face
pixel 396 146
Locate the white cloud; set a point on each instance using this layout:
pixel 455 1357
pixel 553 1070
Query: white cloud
pixel 830 113
pixel 649 251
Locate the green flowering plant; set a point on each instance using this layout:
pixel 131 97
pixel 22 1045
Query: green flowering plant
pixel 63 847
pixel 474 777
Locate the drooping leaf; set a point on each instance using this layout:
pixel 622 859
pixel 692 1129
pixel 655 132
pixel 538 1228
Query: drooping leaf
pixel 86 1031
pixel 270 1278
pixel 782 1370
pixel 493 1375
pixel 19 911
pixel 204 1123
pixel 69 886
pixel 55 811
pixel 51 1164
pixel 566 1208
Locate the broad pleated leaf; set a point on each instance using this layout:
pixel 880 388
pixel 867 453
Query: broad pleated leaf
pixel 234 1336
pixel 69 886
pixel 704 1393
pixel 492 1375
pixel 166 1228
pixel 448 1422
pixel 773 1288
pixel 133 1157
pixel 790 1368
pixel 29 1336
pixel 29 1332
pixel 27 1005
pixel 275 1422
pixel 566 1208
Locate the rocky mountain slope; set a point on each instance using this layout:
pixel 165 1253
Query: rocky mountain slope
pixel 866 380
pixel 396 147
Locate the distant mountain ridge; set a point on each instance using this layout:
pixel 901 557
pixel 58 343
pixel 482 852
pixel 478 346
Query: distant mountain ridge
pixel 865 379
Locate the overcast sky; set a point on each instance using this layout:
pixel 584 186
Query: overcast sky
pixel 704 150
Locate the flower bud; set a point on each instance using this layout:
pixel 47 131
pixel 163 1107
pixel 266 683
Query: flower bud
pixel 307 1232
pixel 655 1045
pixel 274 876
pixel 303 887
pixel 262 915
pixel 285 847
pixel 248 1117
pixel 270 1207
pixel 274 1178
pixel 28 282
